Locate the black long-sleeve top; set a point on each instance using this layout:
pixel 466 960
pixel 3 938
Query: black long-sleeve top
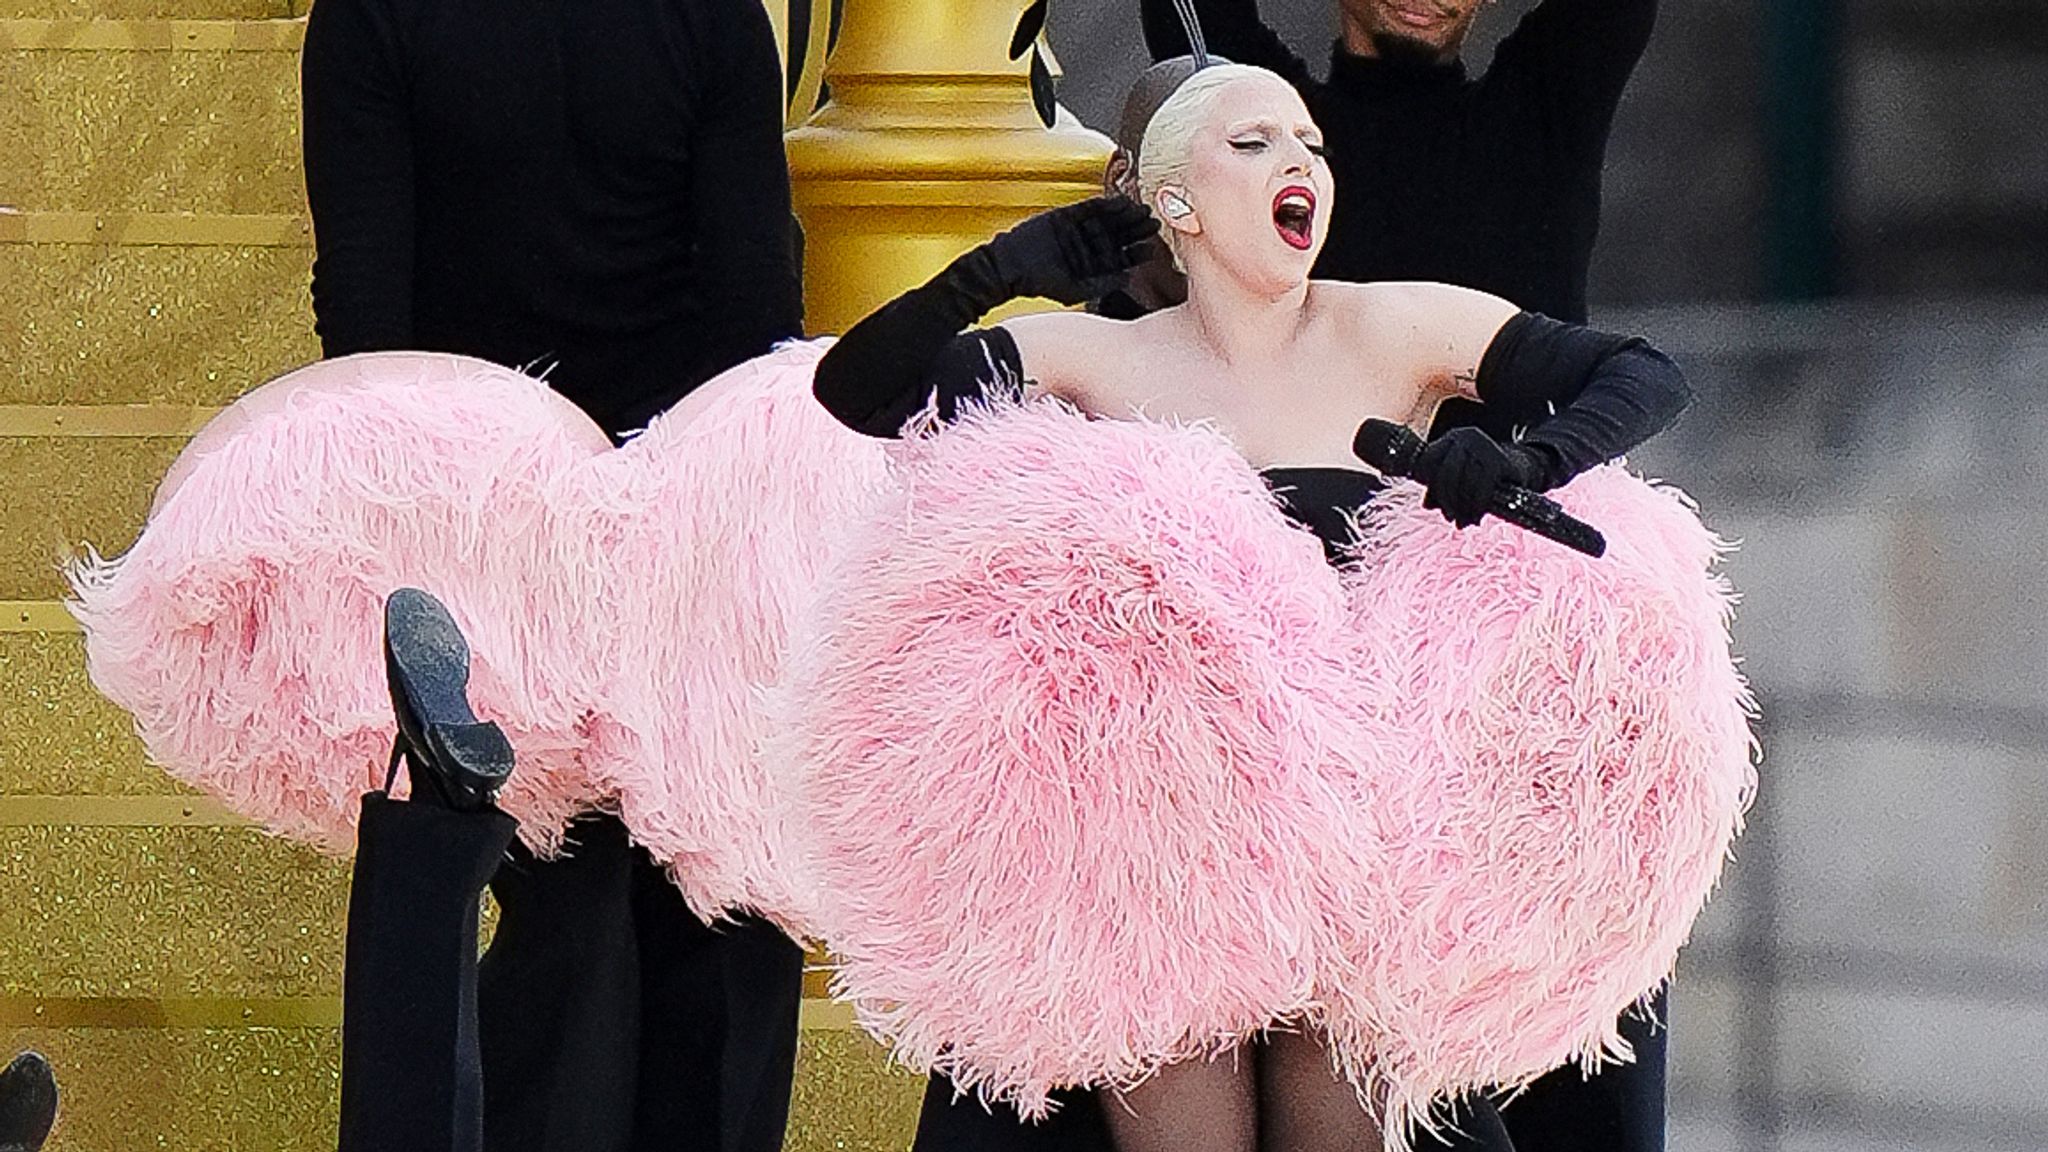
pixel 1490 183
pixel 595 189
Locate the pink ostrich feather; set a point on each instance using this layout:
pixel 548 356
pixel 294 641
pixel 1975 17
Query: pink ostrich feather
pixel 1575 760
pixel 1076 752
pixel 1092 753
pixel 715 528
pixel 622 605
pixel 1042 747
pixel 243 629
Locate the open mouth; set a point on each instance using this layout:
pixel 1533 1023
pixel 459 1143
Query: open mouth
pixel 1294 215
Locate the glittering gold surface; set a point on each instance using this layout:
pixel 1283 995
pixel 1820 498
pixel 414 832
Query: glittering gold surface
pixel 156 229
pixel 848 1099
pixel 97 921
pixel 245 1090
pixel 58 736
pixel 136 912
pixel 63 492
pixel 278 1089
pixel 111 131
pixel 152 9
pixel 152 35
pixel 104 325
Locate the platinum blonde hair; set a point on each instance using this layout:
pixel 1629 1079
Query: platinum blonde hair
pixel 1169 141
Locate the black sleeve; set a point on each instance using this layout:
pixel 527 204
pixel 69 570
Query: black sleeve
pixel 1231 28
pixel 358 140
pixel 1591 396
pixel 979 364
pixel 1575 57
pixel 879 374
pixel 743 235
pixel 900 358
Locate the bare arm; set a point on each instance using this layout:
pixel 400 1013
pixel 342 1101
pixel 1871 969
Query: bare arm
pixel 1589 396
pixel 1432 335
pixel 1056 350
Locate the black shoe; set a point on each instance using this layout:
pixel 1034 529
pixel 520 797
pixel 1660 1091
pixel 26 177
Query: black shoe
pixel 28 1103
pixel 452 758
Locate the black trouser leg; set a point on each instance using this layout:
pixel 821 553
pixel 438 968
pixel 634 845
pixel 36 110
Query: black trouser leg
pixel 964 1124
pixel 718 1043
pixel 559 998
pixel 1477 1127
pixel 410 1079
pixel 1619 1108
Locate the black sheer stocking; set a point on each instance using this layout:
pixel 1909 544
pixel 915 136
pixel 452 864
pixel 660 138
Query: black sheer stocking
pixel 1304 1106
pixel 1278 1095
pixel 1200 1104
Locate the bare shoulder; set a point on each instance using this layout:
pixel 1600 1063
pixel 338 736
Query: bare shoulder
pixel 1423 309
pixel 1056 327
pixel 1439 331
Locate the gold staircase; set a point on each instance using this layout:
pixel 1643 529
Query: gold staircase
pixel 181 969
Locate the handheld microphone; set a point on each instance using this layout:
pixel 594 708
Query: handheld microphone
pixel 1393 450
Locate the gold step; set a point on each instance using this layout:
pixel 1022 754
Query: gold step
pixel 152 912
pixel 58 737
pixel 65 492
pixel 278 1089
pixel 126 1089
pixel 76 10
pixel 849 1097
pixel 151 116
pixel 183 324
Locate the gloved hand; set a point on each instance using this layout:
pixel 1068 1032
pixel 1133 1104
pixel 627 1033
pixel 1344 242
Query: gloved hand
pixel 1076 253
pixel 1462 469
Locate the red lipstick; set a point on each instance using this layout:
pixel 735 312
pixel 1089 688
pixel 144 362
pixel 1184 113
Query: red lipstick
pixel 1294 215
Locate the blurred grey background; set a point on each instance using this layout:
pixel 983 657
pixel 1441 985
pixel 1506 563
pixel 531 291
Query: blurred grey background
pixel 1835 214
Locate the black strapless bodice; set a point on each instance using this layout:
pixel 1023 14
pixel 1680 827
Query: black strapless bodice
pixel 1322 500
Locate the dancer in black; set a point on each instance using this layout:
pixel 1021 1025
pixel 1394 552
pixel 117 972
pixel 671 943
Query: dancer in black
pixel 1490 182
pixel 1611 392
pixel 28 1103
pixel 599 196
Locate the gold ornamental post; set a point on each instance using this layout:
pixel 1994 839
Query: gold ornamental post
pixel 929 146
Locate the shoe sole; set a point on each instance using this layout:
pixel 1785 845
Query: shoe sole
pixel 433 671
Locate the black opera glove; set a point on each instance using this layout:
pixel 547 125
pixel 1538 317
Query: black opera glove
pixel 1464 469
pixel 1587 395
pixel 1073 254
pixel 881 373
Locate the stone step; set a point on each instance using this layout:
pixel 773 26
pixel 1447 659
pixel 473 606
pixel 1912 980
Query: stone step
pixel 278 1089
pixel 122 117
pixel 186 324
pixel 67 491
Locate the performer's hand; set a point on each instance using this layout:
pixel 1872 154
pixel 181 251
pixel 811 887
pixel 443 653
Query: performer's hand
pixel 1077 253
pixel 1463 468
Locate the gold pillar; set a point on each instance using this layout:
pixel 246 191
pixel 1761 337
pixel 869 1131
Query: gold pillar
pixel 929 146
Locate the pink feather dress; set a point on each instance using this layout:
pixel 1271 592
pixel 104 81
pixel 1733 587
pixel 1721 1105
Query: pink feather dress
pixel 1060 733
